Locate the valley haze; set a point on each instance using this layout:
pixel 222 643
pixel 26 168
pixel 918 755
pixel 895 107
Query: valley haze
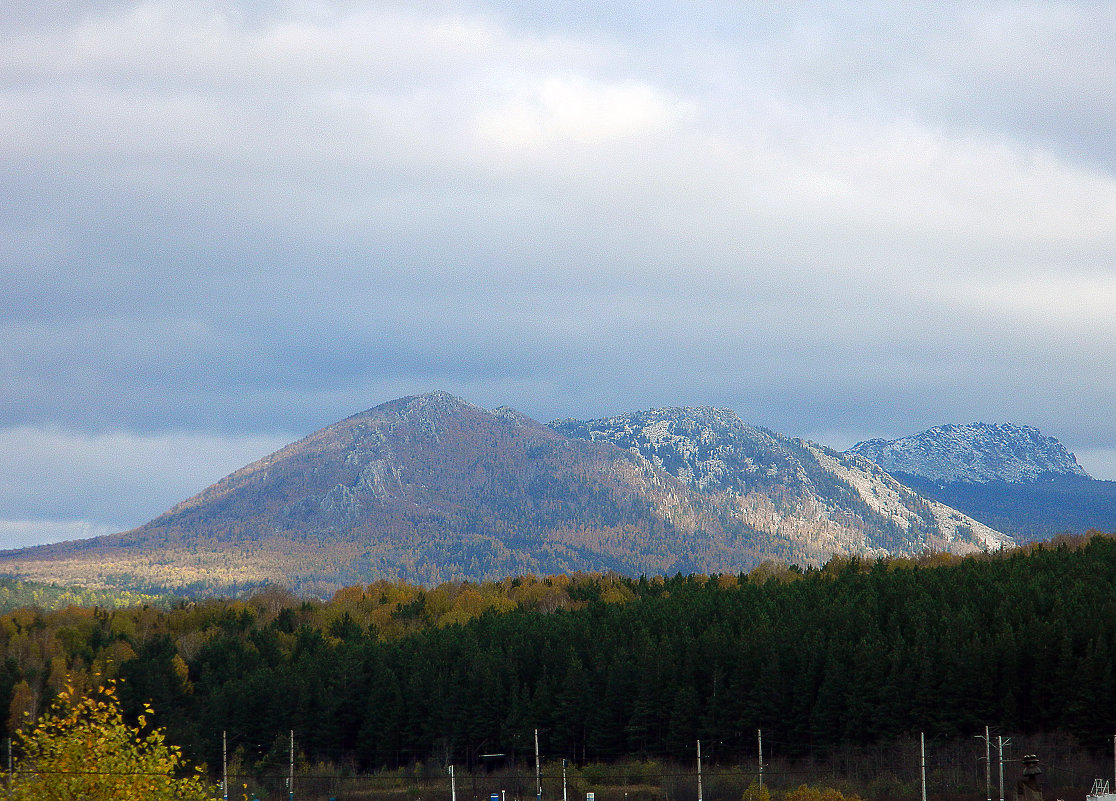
pixel 226 225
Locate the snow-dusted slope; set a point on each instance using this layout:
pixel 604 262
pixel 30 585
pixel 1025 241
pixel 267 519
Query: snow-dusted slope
pixel 823 501
pixel 956 531
pixel 977 452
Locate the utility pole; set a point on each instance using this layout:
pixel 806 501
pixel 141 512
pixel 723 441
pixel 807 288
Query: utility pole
pixel 564 796
pixel 225 765
pixel 538 769
pixel 922 761
pixel 290 776
pixel 759 736
pixel 453 785
pixel 700 796
pixel 1002 742
pixel 987 763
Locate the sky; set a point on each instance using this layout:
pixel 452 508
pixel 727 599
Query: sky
pixel 225 225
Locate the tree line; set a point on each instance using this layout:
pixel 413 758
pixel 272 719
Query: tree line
pixel 605 667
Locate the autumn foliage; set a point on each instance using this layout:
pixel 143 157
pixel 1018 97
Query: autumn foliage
pixel 83 749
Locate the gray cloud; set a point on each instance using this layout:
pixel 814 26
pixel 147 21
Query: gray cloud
pixel 61 485
pixel 247 221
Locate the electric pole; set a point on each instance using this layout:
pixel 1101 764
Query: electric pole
pixel 225 765
pixel 922 761
pixel 987 763
pixel 290 776
pixel 1002 742
pixel 453 785
pixel 538 769
pixel 700 797
pixel 759 736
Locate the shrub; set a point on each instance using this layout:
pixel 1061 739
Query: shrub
pixel 82 749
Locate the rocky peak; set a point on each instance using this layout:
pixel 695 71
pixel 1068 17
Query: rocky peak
pixel 707 447
pixel 835 503
pixel 975 453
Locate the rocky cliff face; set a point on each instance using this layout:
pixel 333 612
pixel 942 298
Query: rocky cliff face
pixel 977 452
pixel 823 501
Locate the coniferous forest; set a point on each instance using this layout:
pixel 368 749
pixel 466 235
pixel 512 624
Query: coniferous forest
pixel 389 676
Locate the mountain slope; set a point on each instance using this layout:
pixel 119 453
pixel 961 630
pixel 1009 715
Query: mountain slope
pixel 426 488
pixel 1013 478
pixel 792 489
pixel 975 452
pixel 431 488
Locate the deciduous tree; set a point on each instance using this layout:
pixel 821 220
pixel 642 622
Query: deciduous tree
pixel 82 749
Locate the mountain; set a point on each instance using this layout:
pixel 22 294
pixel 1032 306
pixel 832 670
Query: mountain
pixel 425 488
pixel 817 501
pixel 1010 477
pixel 977 452
pixel 431 488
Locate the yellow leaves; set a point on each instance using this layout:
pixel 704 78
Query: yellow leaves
pixel 82 748
pixel 349 595
pixel 23 706
pixel 807 793
pixel 770 570
pixel 120 652
pixel 616 593
pixel 182 672
pixel 938 559
pixel 756 792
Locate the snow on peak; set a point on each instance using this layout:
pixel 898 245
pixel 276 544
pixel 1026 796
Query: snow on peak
pixel 973 452
pixel 825 501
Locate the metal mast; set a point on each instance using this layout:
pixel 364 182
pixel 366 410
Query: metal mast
pixel 700 796
pixel 538 770
pixel 759 736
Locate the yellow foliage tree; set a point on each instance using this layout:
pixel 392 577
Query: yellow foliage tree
pixel 807 793
pixel 22 707
pixel 756 792
pixel 82 749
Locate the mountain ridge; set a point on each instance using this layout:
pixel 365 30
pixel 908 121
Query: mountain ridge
pixel 1010 477
pixel 430 488
pixel 857 504
pixel 974 452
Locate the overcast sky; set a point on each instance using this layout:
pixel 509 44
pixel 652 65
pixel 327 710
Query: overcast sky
pixel 223 225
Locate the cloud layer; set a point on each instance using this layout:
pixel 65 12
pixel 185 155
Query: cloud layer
pixel 234 223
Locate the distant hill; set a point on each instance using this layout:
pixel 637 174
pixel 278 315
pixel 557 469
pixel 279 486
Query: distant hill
pixel 431 488
pixel 1031 510
pixel 1010 477
pixel 976 452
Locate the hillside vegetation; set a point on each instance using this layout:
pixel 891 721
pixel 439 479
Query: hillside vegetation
pixel 16 594
pixel 606 667
pixel 1029 511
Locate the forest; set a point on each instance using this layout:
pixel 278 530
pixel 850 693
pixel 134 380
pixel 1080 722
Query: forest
pixel 17 594
pixel 393 677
